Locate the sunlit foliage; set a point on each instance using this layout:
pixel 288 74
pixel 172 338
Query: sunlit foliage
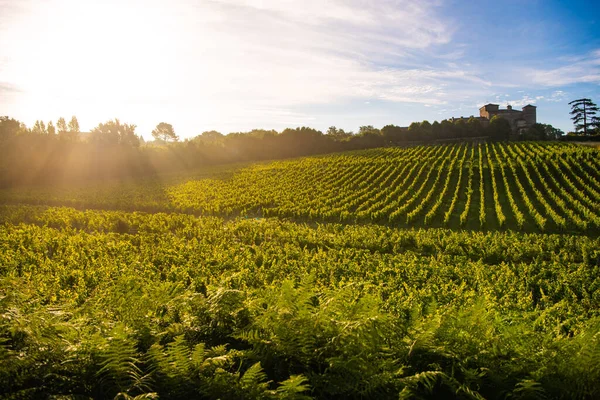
pixel 113 304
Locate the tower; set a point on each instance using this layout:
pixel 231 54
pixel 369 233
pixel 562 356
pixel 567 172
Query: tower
pixel 529 114
pixel 488 111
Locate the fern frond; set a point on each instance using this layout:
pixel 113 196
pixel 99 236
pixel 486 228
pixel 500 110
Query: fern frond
pixel 254 381
pixel 198 355
pixel 293 388
pixel 119 366
pixel 145 396
pixel 179 355
pixel 528 389
pixel 426 380
pixel 253 375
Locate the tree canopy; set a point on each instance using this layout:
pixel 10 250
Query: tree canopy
pixel 583 113
pixel 114 132
pixel 113 148
pixel 165 132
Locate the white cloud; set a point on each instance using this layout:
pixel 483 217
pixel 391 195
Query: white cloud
pixel 557 96
pixel 554 97
pixel 580 69
pixel 224 60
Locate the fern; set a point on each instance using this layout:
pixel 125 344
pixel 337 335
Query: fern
pixel 119 366
pixel 293 388
pixel 429 382
pixel 422 381
pixel 528 389
pixel 254 381
pixel 144 396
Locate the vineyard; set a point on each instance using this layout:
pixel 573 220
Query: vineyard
pixel 530 187
pixel 454 271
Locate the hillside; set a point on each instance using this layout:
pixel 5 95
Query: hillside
pixel 536 187
pixel 451 271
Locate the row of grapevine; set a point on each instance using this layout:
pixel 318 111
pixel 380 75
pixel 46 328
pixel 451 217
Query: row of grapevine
pixel 481 189
pixel 519 217
pixel 496 196
pixel 532 186
pixel 465 213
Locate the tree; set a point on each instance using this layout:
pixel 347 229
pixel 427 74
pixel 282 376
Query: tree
pixel 499 128
pixel 583 113
pixel 414 131
pixel 474 127
pixel 39 128
pixel 461 129
pixel 113 133
pixel 9 128
pixel 211 136
pixel 447 129
pixel 426 129
pixel 74 125
pixel 393 133
pixel 51 129
pixel 542 132
pixel 552 133
pixel 436 131
pixel 338 134
pixel 61 126
pixel 299 141
pixel 534 132
pixel 332 131
pixel 368 130
pixel 64 132
pixel 164 132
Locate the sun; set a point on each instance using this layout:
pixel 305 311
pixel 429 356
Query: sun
pixel 96 59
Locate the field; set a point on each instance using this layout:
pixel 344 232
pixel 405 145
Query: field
pixel 456 271
pixel 529 187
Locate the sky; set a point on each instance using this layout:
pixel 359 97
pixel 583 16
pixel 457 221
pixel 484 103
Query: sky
pixel 236 65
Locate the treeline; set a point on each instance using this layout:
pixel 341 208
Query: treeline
pixel 52 154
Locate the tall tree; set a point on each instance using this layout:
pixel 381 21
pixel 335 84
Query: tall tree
pixel 61 126
pixel 64 131
pixel 73 128
pixel 165 132
pixel 51 129
pixel 583 113
pixel 39 128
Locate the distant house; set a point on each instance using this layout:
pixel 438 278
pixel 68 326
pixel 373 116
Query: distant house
pixel 519 120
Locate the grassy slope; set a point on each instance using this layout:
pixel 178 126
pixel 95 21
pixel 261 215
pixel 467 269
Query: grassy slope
pixel 332 188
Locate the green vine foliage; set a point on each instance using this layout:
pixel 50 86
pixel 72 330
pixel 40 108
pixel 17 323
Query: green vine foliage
pixel 418 186
pixel 128 305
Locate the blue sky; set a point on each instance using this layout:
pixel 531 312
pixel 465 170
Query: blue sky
pixel 235 65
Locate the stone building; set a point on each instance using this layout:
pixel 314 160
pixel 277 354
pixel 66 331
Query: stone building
pixel 519 120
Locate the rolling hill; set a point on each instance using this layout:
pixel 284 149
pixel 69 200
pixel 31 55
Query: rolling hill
pixel 451 271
